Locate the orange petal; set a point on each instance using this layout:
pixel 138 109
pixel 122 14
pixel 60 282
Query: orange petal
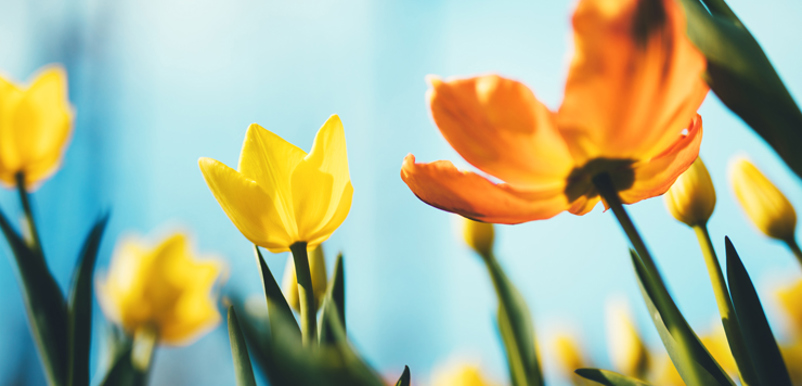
pixel 499 126
pixel 655 177
pixel 634 82
pixel 442 186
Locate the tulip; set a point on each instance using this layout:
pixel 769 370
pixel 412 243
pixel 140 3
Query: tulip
pixel 569 356
pixel 628 353
pixel 459 374
pixel 790 299
pixel 160 293
pixel 692 198
pixel 628 115
pixel 764 204
pixel 479 236
pixel 35 126
pixel 317 268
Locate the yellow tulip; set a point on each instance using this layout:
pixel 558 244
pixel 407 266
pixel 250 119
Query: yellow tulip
pixel 764 204
pixel 460 374
pixel 627 350
pixel 478 235
pixel 162 288
pixel 35 126
pixel 280 195
pixel 790 298
pixel 568 354
pixel 317 269
pixel 666 373
pixel 692 198
pixel 716 343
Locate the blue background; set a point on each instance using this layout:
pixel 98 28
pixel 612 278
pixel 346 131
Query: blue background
pixel 158 83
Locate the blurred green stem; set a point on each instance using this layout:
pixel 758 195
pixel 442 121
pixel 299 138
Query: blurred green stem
pixel 142 351
pixel 34 241
pixel 731 326
pixel 795 249
pixel 306 293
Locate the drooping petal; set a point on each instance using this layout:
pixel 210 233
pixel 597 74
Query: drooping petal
pixel 499 126
pixel 252 209
pixel 319 184
pixel 634 82
pixel 270 161
pixel 442 186
pixel 655 177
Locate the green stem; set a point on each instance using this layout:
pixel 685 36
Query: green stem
pixel 306 293
pixel 144 344
pixel 795 249
pixel 36 244
pixel 728 319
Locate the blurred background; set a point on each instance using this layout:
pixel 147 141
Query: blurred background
pixel 158 83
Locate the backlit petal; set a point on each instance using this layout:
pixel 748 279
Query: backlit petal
pixel 499 126
pixel 441 185
pixel 10 160
pixel 634 82
pixel 252 209
pixel 655 177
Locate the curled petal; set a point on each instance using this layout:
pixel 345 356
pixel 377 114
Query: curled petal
pixel 442 186
pixel 499 126
pixel 634 82
pixel 655 177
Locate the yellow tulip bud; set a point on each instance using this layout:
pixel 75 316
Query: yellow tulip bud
pixel 627 350
pixel 478 235
pixel 764 204
pixel 459 374
pixel 716 343
pixel 317 269
pixel 161 290
pixel 568 354
pixel 692 198
pixel 35 126
pixel 790 298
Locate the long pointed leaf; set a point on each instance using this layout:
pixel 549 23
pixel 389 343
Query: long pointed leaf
pixel 276 302
pixel 609 378
pixel 693 362
pixel 759 339
pixel 335 294
pixel 239 350
pixel 80 307
pixel 405 378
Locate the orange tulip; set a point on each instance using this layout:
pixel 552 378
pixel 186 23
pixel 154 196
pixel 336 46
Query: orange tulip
pixel 629 110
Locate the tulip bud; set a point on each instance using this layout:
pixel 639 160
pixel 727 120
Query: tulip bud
pixel 790 298
pixel 568 354
pixel 692 198
pixel 317 269
pixel 764 204
pixel 479 236
pixel 627 351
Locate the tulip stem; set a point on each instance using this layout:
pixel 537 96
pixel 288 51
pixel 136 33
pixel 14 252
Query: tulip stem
pixel 306 294
pixel 795 249
pixel 143 346
pixel 732 328
pixel 608 192
pixel 33 240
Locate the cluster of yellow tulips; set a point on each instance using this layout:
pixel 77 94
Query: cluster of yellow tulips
pixel 627 130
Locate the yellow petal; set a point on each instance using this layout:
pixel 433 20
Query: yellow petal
pixel 321 185
pixel 692 198
pixel 764 204
pixel 252 209
pixel 10 161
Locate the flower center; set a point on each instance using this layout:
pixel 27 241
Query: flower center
pixel 580 180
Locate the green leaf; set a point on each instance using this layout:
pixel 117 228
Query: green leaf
pixel 405 379
pixel 239 350
pixel 516 329
pixel 335 295
pixel 741 75
pixel 277 305
pixel 759 339
pixel 80 307
pixel 693 362
pixel 609 378
pixel 123 373
pixel 44 302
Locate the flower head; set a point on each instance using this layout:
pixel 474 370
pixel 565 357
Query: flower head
pixel 629 111
pixel 568 354
pixel 692 198
pixel 790 298
pixel 460 374
pixel 162 288
pixel 35 126
pixel 627 350
pixel 280 195
pixel 764 204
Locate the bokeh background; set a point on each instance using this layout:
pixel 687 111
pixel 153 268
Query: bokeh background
pixel 158 83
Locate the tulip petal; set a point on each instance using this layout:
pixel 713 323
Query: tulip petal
pixel 655 177
pixel 634 82
pixel 442 186
pixel 252 209
pixel 499 126
pixel 321 184
pixel 10 161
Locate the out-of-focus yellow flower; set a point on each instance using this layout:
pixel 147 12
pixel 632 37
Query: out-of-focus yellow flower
pixel 665 373
pixel 478 235
pixel 627 350
pixel 792 354
pixel 764 204
pixel 317 269
pixel 280 195
pixel 161 288
pixel 568 354
pixel 692 198
pixel 791 301
pixel 460 374
pixel 716 343
pixel 35 126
